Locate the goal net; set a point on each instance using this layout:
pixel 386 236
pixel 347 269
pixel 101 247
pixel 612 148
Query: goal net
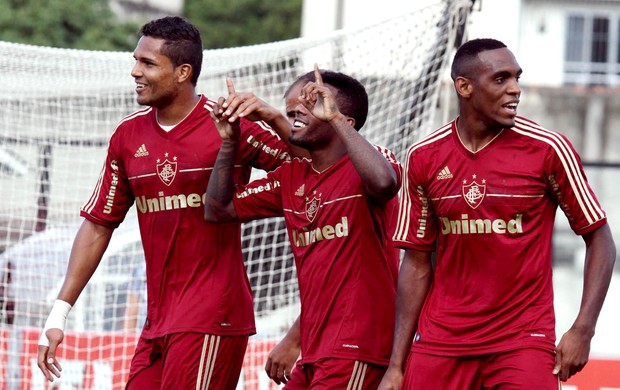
pixel 57 110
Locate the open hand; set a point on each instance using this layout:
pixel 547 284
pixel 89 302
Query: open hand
pixel 319 99
pixel 46 359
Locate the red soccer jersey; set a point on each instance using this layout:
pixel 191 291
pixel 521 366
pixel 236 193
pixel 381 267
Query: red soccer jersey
pixel 491 214
pixel 196 280
pixel 346 263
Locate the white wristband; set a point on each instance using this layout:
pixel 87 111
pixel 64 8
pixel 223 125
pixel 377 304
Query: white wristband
pixel 56 320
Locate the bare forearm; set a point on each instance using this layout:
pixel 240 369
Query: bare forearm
pixel 373 168
pixel 294 333
pixel 414 282
pixel 599 265
pixel 89 245
pixel 221 187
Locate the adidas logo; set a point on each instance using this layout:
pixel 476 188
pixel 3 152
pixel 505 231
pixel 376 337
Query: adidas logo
pixel 445 174
pixel 141 152
pixel 300 190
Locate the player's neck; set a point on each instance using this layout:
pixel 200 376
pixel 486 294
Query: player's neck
pixel 174 113
pixel 324 158
pixel 476 136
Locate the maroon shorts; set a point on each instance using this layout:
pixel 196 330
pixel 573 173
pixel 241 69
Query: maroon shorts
pixel 187 361
pixel 528 368
pixel 336 374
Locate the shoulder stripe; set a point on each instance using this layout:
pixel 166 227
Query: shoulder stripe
pixel 385 152
pixel 90 204
pixel 436 135
pixel 133 116
pixel 569 161
pixel 404 217
pixel 266 127
pixel 88 207
pixel 209 105
pixel 404 210
pixel 136 114
pixel 262 124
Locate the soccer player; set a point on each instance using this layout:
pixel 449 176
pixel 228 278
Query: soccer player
pixel 482 191
pixel 338 206
pixel 200 311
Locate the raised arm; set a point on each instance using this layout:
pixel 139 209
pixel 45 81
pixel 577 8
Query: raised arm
pixel 414 281
pixel 220 189
pixel 574 348
pixel 247 105
pixel 374 169
pixel 89 245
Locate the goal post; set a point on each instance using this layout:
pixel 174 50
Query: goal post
pixel 58 108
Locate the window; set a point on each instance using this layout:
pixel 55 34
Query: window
pixel 592 55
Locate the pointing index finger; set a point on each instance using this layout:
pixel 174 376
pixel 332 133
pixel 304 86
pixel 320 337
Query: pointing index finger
pixel 317 75
pixel 230 86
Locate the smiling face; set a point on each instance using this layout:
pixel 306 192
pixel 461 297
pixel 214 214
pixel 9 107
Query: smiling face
pixel 154 73
pixel 307 131
pixel 494 90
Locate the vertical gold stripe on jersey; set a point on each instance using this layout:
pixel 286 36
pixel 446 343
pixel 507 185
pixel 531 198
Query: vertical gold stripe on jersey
pixel 404 213
pixel 404 207
pixel 88 207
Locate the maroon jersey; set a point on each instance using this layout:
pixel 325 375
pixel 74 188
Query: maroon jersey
pixel 196 280
pixel 346 263
pixel 491 214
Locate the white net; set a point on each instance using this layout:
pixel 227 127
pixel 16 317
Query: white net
pixel 57 111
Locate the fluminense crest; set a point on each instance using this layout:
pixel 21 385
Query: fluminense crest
pixel 167 170
pixel 312 206
pixel 474 193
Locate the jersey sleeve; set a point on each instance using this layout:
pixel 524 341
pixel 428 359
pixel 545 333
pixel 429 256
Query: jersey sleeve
pixel 260 146
pixel 416 226
pixel 112 197
pixel 398 169
pixel 261 198
pixel 570 188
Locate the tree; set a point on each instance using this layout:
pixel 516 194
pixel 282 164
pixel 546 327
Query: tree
pixel 231 23
pixel 77 24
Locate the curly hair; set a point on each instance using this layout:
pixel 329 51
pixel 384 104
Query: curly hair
pixel 182 45
pixel 352 98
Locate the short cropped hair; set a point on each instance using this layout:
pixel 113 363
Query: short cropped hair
pixel 463 59
pixel 352 98
pixel 182 41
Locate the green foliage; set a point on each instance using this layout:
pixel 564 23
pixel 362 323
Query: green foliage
pixel 91 25
pixel 231 23
pixel 77 24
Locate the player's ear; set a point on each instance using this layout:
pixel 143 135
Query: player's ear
pixel 350 121
pixel 184 72
pixel 463 87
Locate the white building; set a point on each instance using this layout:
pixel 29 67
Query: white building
pixel 557 42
